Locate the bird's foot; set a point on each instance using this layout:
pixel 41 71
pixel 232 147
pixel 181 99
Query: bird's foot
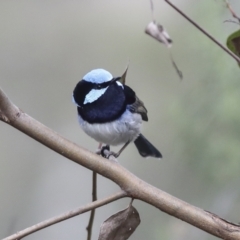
pixel 106 153
pixel 105 150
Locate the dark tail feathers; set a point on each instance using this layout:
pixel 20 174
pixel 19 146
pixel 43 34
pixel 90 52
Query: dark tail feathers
pixel 145 148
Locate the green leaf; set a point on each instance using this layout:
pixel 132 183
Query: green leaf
pixel 233 43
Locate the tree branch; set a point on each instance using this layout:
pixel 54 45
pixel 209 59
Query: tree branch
pixel 94 198
pixel 205 32
pixel 66 216
pixel 135 187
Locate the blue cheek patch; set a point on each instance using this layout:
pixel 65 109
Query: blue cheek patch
pixel 94 94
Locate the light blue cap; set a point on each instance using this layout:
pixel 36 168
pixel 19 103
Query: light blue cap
pixel 98 76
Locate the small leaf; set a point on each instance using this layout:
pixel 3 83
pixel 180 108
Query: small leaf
pixel 233 43
pixel 123 77
pixel 158 32
pixel 121 225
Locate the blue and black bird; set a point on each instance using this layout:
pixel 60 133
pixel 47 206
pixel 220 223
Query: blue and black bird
pixel 111 112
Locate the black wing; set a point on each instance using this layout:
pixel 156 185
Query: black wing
pixel 134 104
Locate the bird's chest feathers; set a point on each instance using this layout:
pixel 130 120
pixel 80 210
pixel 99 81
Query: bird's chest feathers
pixel 103 105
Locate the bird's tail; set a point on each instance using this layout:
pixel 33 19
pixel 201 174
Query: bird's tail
pixel 145 148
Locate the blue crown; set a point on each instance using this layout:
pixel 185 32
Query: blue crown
pixel 98 76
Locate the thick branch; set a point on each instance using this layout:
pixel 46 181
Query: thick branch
pixel 66 216
pixel 135 187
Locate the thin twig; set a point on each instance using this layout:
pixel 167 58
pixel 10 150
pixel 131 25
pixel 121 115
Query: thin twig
pixel 204 32
pixel 231 10
pixel 152 10
pixel 94 198
pixel 131 202
pixel 66 216
pixel 178 71
pixel 231 21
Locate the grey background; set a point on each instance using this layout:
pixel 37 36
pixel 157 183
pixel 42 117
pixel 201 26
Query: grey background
pixel 45 49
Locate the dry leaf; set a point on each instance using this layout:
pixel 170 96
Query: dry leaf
pixel 158 32
pixel 121 225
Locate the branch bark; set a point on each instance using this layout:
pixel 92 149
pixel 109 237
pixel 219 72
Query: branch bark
pixel 65 216
pixel 132 185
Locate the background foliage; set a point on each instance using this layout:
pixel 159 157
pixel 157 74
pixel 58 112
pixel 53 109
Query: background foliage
pixel 47 46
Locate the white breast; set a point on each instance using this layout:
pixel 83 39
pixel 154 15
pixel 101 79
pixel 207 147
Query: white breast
pixel 126 128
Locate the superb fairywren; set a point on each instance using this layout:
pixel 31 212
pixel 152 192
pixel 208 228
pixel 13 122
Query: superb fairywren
pixel 111 113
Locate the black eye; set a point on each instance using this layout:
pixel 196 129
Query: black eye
pixel 98 86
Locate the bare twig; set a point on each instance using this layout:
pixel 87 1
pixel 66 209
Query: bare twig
pixel 231 21
pixel 152 10
pixel 66 216
pixel 204 32
pixel 178 71
pixel 94 198
pixel 134 187
pixel 231 10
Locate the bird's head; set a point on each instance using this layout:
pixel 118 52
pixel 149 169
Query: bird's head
pixel 93 85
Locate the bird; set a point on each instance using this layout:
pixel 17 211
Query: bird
pixel 111 113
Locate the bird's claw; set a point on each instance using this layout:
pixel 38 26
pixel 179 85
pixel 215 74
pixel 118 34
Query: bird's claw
pixel 105 150
pixel 106 153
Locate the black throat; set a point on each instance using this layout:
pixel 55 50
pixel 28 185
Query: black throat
pixel 108 107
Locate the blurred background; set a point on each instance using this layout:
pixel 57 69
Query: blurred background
pixel 45 49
